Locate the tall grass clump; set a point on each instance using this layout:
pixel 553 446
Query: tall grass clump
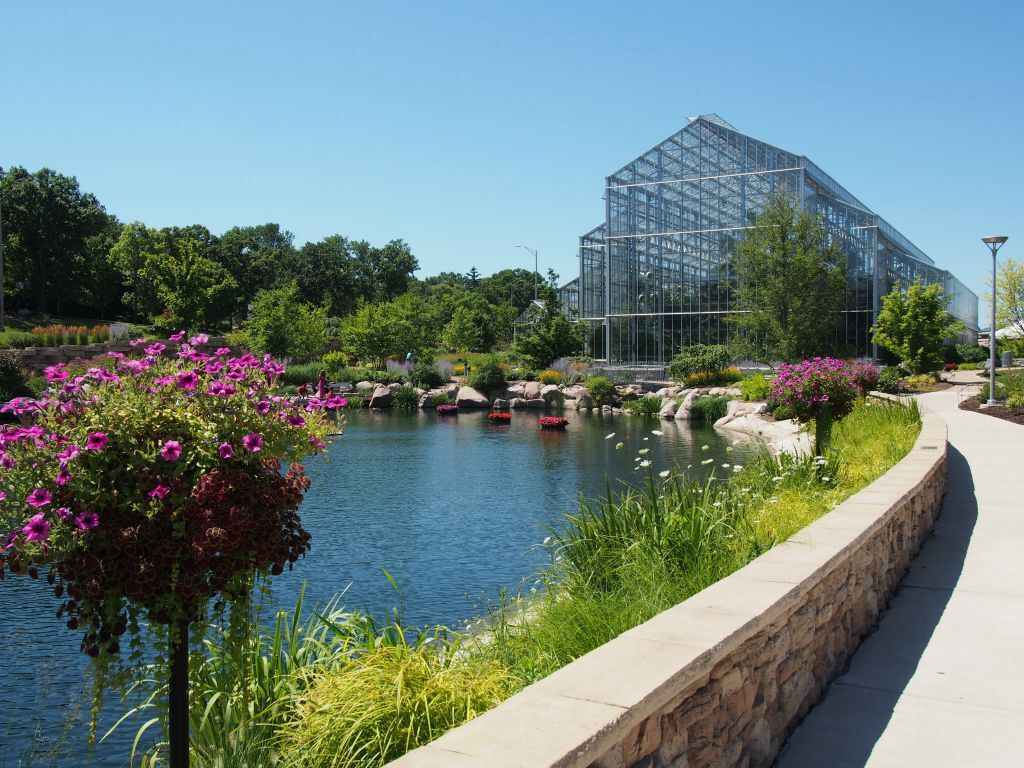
pixel 301 373
pixel 644 406
pixel 710 409
pixel 405 397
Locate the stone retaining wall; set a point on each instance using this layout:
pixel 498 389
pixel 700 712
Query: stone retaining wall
pixel 36 359
pixel 723 678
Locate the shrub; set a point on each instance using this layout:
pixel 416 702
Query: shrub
pixel 1015 401
pixel 728 375
pixel 644 406
pixel 570 371
pixel 334 363
pixel 443 400
pixel 921 381
pixel 865 376
pixel 968 366
pixel 12 383
pixel 972 353
pixel 303 373
pixel 489 374
pixel 601 389
pixel 889 379
pixel 445 370
pixel 426 375
pixel 550 377
pixel 949 367
pixel 755 388
pixel 711 409
pixel 405 397
pixel 697 359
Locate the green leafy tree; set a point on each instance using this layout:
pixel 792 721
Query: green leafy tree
pixel 47 224
pixel 1009 296
pixel 553 336
pixel 462 331
pixel 791 284
pixel 473 278
pixel 135 246
pixel 258 258
pixel 195 289
pixel 284 326
pixel 377 331
pixel 383 273
pixel 914 325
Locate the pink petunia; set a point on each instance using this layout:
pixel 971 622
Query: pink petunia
pixel 86 521
pixel 159 492
pixel 263 406
pixel 155 349
pixel 63 476
pixel 64 513
pixel 253 442
pixel 295 421
pixel 223 350
pixel 225 451
pixel 39 498
pixel 176 337
pixel 187 380
pixel 38 528
pixel 199 338
pixel 171 450
pixel 96 441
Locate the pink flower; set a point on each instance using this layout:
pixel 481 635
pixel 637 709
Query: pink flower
pixel 176 337
pixel 295 421
pixel 6 462
pixel 63 476
pixel 138 342
pixel 187 380
pixel 154 349
pixel 64 513
pixel 87 521
pixel 253 442
pixel 263 406
pixel 56 373
pixel 171 450
pixel 39 498
pixel 199 338
pixel 316 442
pixel 225 451
pixel 336 401
pixel 38 528
pixel 96 441
pixel 159 492
pixel 223 350
pixel 3 495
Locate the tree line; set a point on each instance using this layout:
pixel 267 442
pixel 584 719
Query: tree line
pixel 65 254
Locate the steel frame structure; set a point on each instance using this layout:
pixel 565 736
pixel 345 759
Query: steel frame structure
pixel 656 275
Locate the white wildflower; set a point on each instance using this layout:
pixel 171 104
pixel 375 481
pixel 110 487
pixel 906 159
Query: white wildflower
pixel 707 461
pixel 609 437
pixel 657 432
pixel 645 463
pixel 664 473
pixel 705 447
pixel 643 451
pixel 737 467
pixel 726 465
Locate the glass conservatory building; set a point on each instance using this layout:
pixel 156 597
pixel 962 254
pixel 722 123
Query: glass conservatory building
pixel 656 275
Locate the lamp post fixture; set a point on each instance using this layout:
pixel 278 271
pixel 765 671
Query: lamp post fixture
pixel 531 250
pixel 994 242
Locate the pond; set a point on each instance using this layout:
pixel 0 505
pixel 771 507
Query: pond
pixel 452 507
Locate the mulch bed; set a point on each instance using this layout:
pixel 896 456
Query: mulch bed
pixel 999 411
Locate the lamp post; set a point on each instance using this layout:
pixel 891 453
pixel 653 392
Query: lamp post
pixel 994 242
pixel 531 250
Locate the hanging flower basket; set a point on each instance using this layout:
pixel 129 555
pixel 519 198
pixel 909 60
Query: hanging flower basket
pixel 499 417
pixel 553 422
pixel 447 410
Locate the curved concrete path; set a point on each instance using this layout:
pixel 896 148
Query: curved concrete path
pixel 941 681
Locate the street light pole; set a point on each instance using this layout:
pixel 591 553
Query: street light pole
pixel 2 324
pixel 535 268
pixel 994 242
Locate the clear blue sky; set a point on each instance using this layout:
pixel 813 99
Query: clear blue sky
pixel 469 127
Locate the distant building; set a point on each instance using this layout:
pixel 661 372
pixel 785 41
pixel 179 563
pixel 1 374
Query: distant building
pixel 656 275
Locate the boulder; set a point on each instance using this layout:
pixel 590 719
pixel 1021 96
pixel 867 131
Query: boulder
pixel 575 392
pixel 514 390
pixel 683 409
pixel 716 391
pixel 667 392
pixel 426 401
pixel 738 408
pixel 537 404
pixel 553 396
pixel 381 398
pixel 668 409
pixel 734 391
pixel 548 389
pixel 361 385
pixel 470 398
pixel 342 387
pixel 531 391
pixel 500 403
pixel 517 403
pixel 584 401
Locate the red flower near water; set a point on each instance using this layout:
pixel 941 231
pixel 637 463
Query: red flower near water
pixel 553 422
pixel 499 416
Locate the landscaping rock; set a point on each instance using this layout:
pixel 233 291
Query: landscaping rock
pixel 575 392
pixel 668 409
pixel 537 404
pixel 517 403
pixel 381 398
pixel 739 408
pixel 514 390
pixel 470 398
pixel 683 410
pixel 531 390
pixel 500 403
pixel 426 401
pixel 365 385
pixel 734 391
pixel 584 400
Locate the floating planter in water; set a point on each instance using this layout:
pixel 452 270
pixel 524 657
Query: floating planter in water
pixel 553 422
pixel 447 409
pixel 499 417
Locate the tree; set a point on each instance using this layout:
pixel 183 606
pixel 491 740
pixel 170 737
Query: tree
pixel 194 289
pixel 511 286
pixel 136 244
pixel 553 336
pixel 391 329
pixel 473 278
pixel 462 332
pixel 284 326
pixel 914 325
pixel 258 258
pixel 47 223
pixel 326 274
pixel 1009 296
pixel 791 284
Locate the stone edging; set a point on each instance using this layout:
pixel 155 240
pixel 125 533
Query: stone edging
pixel 724 677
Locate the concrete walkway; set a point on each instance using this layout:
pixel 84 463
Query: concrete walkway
pixel 941 681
